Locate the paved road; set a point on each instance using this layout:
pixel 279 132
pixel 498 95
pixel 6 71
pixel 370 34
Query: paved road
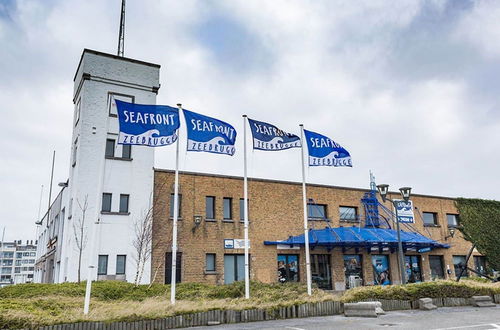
pixel 445 318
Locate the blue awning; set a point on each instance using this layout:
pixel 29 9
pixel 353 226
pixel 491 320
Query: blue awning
pixel 357 237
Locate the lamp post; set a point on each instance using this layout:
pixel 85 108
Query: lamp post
pixel 405 193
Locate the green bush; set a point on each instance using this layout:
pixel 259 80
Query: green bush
pixel 416 291
pixel 116 290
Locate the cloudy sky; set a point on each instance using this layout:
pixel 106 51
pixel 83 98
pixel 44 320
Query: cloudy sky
pixel 410 88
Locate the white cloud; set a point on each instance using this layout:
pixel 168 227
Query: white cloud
pixel 329 65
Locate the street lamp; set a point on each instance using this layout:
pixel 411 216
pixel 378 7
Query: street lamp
pixel 383 189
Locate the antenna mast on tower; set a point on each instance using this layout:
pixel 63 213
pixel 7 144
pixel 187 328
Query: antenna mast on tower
pixel 121 37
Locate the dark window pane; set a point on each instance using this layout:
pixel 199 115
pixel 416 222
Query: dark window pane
pixel 124 203
pixel 242 209
pixel 436 264
pixel 102 267
pixel 106 202
pixel 121 261
pixel 126 151
pixel 316 211
pixel 110 148
pixel 210 262
pixel 228 204
pixel 168 267
pixel 458 263
pixel 430 218
pixel 348 213
pixel 210 207
pixel 172 205
pixel 288 268
pixel 452 220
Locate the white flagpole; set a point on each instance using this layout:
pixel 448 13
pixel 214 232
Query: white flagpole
pixel 245 206
pixel 304 201
pixel 95 228
pixel 176 215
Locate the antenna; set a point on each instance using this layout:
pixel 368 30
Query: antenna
pixel 373 185
pixel 121 37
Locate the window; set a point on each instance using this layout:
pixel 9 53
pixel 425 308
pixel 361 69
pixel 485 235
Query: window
pixel 19 255
pixel 316 211
pixel 413 269
pixel 124 203
pixel 210 262
pixel 112 103
pixel 106 202
pixel 179 203
pixel 17 270
pixel 288 268
pixel 18 262
pixel 121 261
pixel 228 206
pixel 458 263
pixel 436 264
pixel 242 209
pixel 210 207
pixel 77 111
pixel 102 266
pixel 75 150
pixel 168 267
pixel 452 220
pixel 381 270
pixel 126 151
pixel 480 264
pixel 430 218
pixel 110 148
pixel 234 268
pixel 348 213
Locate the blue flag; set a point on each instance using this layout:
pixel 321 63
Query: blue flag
pixel 323 151
pixel 149 125
pixel 269 137
pixel 209 134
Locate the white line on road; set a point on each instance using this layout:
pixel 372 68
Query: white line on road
pixel 293 328
pixel 496 326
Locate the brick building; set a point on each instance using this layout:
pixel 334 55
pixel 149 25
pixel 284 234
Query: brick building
pixel 210 233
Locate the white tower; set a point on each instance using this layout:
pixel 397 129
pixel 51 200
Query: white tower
pixel 116 180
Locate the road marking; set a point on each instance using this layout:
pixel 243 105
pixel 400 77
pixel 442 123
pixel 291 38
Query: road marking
pixel 293 328
pixel 496 326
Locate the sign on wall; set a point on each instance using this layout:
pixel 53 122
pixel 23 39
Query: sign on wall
pixel 404 211
pixel 230 243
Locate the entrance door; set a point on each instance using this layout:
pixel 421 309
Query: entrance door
pixel 234 268
pixel 353 271
pixel 413 269
pixel 321 271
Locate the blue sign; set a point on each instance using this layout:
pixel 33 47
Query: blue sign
pixel 428 249
pixel 209 134
pixel 323 151
pixel 148 125
pixel 270 138
pixel 404 211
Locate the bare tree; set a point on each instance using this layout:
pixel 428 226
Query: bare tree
pixel 80 232
pixel 143 235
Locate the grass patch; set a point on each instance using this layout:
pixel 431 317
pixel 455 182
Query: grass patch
pixel 34 305
pixel 436 289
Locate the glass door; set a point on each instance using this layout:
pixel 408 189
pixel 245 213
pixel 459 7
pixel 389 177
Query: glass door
pixel 353 271
pixel 321 271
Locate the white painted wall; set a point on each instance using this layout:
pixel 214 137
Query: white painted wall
pixel 91 174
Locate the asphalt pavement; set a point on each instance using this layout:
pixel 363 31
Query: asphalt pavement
pixel 444 318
